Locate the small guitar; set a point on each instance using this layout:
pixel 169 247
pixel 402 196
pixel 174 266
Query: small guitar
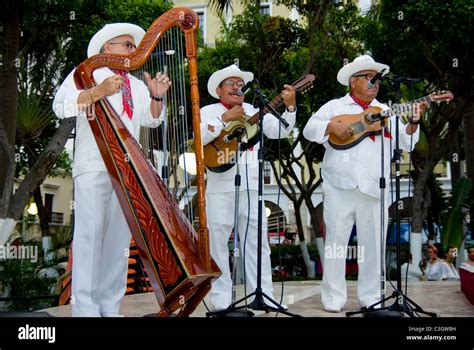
pixel 219 155
pixel 366 123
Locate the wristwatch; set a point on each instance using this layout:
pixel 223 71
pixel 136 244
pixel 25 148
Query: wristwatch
pixel 413 122
pixel 157 98
pixel 291 109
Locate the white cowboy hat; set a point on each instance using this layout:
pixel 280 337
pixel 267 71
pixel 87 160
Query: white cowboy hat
pixel 110 31
pixel 364 62
pixel 220 75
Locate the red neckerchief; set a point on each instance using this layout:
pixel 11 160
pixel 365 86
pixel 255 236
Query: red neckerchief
pixel 127 100
pixel 366 105
pixel 228 106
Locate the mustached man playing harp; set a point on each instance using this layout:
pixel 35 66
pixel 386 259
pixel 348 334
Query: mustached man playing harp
pixel 101 233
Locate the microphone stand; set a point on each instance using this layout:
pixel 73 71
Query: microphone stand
pixel 402 304
pixel 231 311
pixel 259 303
pixel 263 102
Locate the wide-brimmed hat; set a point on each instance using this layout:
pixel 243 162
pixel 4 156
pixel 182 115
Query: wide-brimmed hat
pixel 110 31
pixel 220 75
pixel 364 62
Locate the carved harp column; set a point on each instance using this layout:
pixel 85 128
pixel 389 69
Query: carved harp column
pixel 175 257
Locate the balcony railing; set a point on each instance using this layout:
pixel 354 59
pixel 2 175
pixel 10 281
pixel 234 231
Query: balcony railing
pixel 55 218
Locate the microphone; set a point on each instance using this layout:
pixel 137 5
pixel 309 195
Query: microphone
pixel 244 89
pixel 376 77
pixel 236 134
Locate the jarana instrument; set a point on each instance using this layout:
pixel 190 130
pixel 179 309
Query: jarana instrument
pixel 219 155
pixel 368 122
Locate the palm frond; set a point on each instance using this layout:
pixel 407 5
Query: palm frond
pixel 32 116
pixel 453 231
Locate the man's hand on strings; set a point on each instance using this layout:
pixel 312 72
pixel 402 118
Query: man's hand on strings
pixel 418 111
pixel 340 129
pixel 235 113
pixel 110 85
pixel 289 96
pixel 158 85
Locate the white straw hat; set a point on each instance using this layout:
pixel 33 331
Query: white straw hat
pixel 220 75
pixel 110 31
pixel 359 64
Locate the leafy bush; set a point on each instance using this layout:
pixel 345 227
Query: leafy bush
pixel 25 278
pixel 287 261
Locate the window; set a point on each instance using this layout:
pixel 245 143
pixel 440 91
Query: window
pixel 48 203
pixel 202 23
pixel 266 8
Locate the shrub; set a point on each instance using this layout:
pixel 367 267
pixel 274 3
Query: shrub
pixel 287 261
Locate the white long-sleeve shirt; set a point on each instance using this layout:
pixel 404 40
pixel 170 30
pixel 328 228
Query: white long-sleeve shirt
pixel 360 165
pixel 87 157
pixel 438 271
pixel 224 182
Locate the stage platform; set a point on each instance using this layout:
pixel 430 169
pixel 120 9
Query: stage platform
pixel 303 298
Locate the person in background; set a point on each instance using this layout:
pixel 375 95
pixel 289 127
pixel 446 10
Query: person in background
pixel 408 270
pixel 450 261
pixel 436 269
pixel 469 263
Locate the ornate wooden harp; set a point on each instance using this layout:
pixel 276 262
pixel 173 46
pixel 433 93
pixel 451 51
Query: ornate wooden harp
pixel 175 257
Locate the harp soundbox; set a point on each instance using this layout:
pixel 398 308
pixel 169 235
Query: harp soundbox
pixel 174 254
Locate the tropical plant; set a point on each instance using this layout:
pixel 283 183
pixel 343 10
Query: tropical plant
pixel 421 39
pixel 24 280
pixel 452 232
pixel 44 45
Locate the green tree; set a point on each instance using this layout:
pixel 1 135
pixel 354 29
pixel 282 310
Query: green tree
pixel 330 41
pixel 280 51
pixel 47 38
pixel 430 40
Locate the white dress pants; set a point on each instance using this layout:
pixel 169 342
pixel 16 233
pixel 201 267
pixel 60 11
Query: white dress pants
pixel 100 247
pixel 342 209
pixel 220 215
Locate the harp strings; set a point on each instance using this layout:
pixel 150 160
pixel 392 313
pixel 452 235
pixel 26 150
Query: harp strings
pixel 167 147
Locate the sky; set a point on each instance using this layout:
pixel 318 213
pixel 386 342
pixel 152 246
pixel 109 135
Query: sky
pixel 364 5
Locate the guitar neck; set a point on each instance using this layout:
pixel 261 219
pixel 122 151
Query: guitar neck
pixel 405 107
pixel 276 102
pixel 300 85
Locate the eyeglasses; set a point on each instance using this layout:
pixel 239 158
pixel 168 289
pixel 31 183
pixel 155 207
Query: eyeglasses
pixel 127 44
pixel 231 83
pixel 367 76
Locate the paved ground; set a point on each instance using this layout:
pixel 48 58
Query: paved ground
pixel 303 298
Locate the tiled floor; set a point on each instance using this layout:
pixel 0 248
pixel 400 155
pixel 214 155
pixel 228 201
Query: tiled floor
pixel 303 298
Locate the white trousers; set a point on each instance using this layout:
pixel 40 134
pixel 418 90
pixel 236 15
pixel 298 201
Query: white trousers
pixel 343 209
pixel 100 247
pixel 220 215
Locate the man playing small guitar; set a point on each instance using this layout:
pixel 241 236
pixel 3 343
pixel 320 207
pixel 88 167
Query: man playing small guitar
pixel 224 85
pixel 351 181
